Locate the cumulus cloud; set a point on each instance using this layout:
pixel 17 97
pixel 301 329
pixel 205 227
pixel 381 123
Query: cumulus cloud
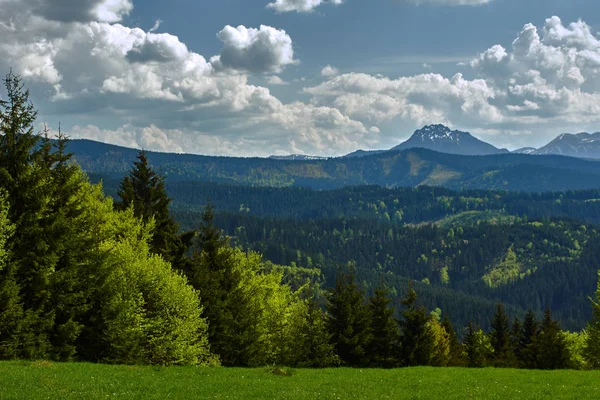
pixel 547 78
pixel 275 80
pixel 67 11
pixel 263 50
pixel 163 95
pixel 300 6
pixel 329 71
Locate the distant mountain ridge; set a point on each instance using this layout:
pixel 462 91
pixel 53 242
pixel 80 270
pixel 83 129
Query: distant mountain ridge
pixel 444 140
pixel 405 168
pixel 582 145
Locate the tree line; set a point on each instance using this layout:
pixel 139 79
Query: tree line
pixel 86 278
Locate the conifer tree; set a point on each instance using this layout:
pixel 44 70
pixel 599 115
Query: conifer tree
pixel 26 294
pixel 145 190
pixel 592 346
pixel 317 349
pixel 500 337
pixel 416 337
pixel 476 347
pixel 527 348
pixel 383 348
pixel 553 348
pixel 349 321
pixel 456 358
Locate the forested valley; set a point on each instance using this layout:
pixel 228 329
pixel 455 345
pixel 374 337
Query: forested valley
pixel 361 277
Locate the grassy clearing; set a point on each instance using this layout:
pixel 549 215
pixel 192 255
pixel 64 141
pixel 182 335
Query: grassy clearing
pixel 44 380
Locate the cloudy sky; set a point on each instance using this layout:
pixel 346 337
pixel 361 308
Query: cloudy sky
pixel 323 77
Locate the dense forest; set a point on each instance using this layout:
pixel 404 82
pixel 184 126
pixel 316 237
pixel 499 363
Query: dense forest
pixel 413 167
pixel 87 277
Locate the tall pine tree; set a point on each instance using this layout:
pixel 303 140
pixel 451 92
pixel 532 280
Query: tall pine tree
pixel 592 346
pixel 416 338
pixel 553 349
pixel 144 189
pixel 383 348
pixel 500 338
pixel 349 321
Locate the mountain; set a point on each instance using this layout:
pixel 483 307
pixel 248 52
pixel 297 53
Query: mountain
pixel 525 150
pixel 443 139
pixel 363 153
pixel 582 145
pixel 297 157
pixel 414 167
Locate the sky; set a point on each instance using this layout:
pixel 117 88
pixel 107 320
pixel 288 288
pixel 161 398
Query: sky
pixel 317 77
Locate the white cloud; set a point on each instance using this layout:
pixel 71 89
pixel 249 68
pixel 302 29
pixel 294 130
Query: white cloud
pixel 275 80
pixel 163 95
pixel 301 6
pixel 548 79
pixel 264 50
pixel 329 71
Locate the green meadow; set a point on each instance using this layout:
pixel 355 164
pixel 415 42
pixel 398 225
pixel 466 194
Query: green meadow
pixel 46 380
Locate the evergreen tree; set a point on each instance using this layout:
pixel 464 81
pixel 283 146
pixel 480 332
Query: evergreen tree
pixel 145 190
pixel 553 348
pixel 592 347
pixel 349 321
pixel 25 297
pixel 456 358
pixel 416 338
pixel 500 337
pixel 383 348
pixel 317 351
pixel 527 348
pixel 476 347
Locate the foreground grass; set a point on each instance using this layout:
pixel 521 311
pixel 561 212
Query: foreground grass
pixel 45 380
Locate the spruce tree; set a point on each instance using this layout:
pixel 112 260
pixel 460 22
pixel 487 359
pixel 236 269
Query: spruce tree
pixel 349 321
pixel 500 337
pixel 528 348
pixel 383 348
pixel 475 347
pixel 145 190
pixel 553 349
pixel 416 337
pixel 456 358
pixel 25 297
pixel 592 347
pixel 317 349
pixel 227 306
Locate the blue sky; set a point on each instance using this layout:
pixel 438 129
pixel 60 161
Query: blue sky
pixel 248 78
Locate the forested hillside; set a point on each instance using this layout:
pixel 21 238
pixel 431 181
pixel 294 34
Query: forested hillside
pixel 414 167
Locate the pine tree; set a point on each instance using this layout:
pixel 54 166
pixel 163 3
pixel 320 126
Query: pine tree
pixel 349 321
pixel 416 337
pixel 553 348
pixel 527 348
pixel 592 347
pixel 25 297
pixel 383 348
pixel 145 190
pixel 476 347
pixel 456 358
pixel 316 347
pixel 500 337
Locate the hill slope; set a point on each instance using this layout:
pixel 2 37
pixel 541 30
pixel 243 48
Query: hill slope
pixel 413 167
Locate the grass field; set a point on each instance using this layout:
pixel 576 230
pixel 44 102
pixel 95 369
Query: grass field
pixel 44 380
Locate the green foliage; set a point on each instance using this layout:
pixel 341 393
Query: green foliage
pixel 592 348
pixel 144 190
pixel 349 321
pixel 500 338
pixel 476 347
pixel 527 350
pixel 553 346
pixel 384 346
pixel 417 338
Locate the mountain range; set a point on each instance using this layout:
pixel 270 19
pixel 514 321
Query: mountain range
pixel 404 168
